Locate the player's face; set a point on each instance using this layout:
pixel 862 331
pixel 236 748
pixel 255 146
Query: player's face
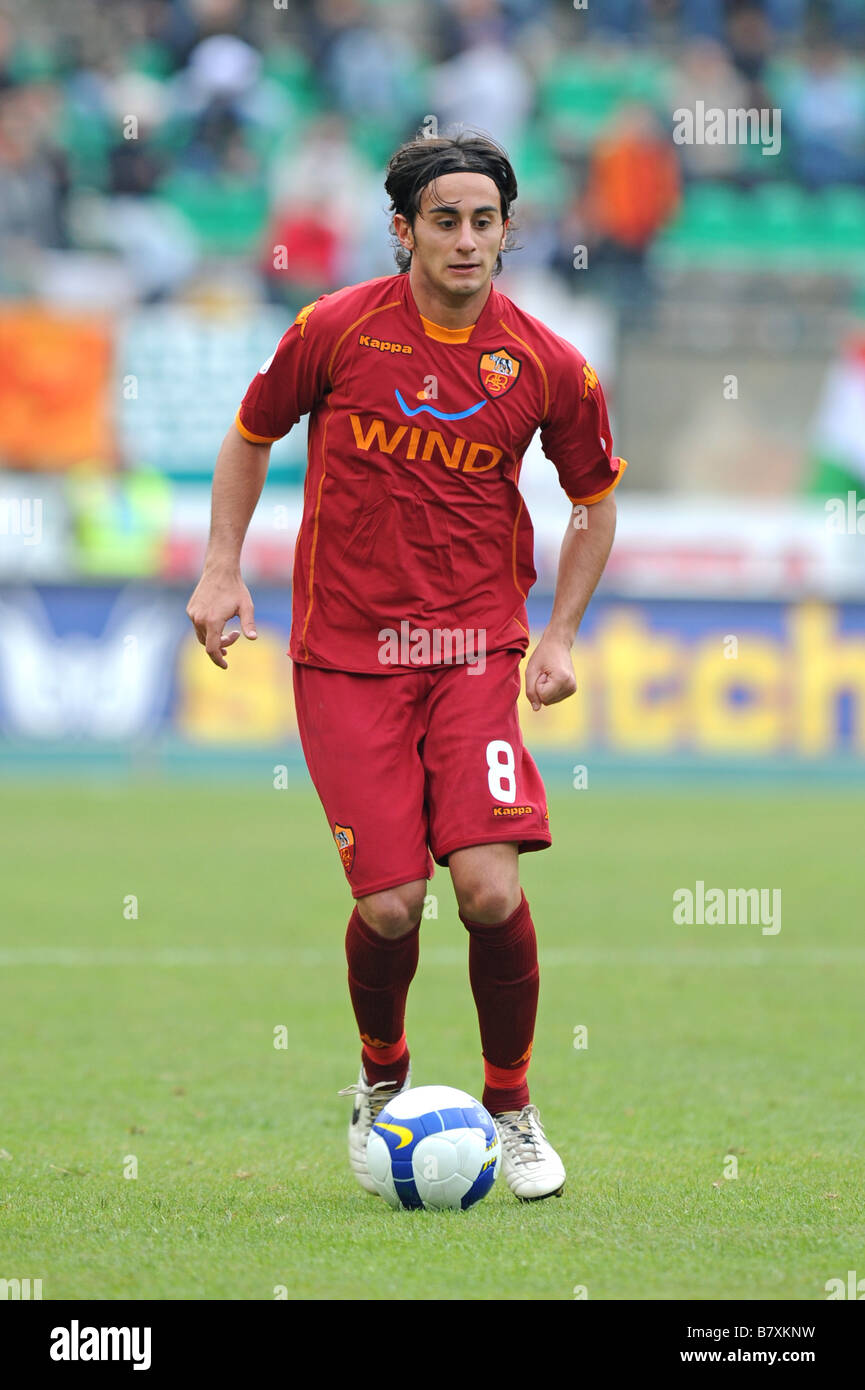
pixel 457 234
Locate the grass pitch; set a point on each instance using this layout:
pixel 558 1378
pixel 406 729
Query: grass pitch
pixel 145 1044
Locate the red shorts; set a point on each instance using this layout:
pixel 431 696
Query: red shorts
pixel 422 762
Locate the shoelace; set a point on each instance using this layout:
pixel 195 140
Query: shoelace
pixel 377 1103
pixel 522 1136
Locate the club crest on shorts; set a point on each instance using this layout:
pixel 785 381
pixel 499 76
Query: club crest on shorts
pixel 498 371
pixel 344 839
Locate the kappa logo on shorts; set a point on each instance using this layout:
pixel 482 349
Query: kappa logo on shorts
pixel 344 839
pixel 498 371
pixel 512 810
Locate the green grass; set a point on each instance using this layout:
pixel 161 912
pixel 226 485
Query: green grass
pixel 154 1038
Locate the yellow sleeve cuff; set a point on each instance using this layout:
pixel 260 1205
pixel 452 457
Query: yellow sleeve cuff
pixel 599 496
pixel 254 438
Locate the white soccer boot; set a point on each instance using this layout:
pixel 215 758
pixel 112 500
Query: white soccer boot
pixel 530 1165
pixel 368 1104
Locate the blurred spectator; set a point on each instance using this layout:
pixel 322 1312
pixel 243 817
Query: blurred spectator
pixel 138 107
pixel 749 36
pixel 255 126
pixel 703 18
pixel 825 116
pixel 33 172
pixel 632 191
pixel 845 18
pixel 470 22
pixel 706 74
pixel 486 87
pixel 618 19
pixel 369 70
pixel 786 16
pixel 223 94
pixel 321 180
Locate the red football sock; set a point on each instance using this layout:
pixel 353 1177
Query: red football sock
pixel 379 974
pixel 503 970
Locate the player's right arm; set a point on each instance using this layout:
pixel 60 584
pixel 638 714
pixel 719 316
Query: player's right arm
pixel 286 387
pixel 238 478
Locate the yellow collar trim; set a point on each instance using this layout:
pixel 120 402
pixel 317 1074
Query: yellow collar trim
pixel 446 335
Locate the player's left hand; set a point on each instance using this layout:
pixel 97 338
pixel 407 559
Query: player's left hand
pixel 550 673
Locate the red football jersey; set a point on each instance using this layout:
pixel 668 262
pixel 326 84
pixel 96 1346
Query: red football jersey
pixel 413 522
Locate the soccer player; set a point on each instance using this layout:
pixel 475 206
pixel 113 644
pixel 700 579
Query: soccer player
pixel 411 571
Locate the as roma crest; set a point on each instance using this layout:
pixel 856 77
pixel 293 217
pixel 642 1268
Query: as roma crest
pixel 344 838
pixel 498 371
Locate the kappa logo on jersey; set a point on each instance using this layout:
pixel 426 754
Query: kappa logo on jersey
pixel 498 371
pixel 303 315
pixel 344 839
pixel 591 380
pixel 383 344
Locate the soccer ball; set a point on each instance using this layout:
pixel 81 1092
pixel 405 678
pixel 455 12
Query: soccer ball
pixel 433 1147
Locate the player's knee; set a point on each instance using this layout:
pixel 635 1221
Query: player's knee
pixel 488 901
pixel 395 912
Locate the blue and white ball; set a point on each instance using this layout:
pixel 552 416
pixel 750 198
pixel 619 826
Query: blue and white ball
pixel 433 1147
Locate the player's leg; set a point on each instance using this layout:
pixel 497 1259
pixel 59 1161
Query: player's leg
pixel 480 820
pixel 360 743
pixel 381 948
pixel 503 966
pixel 503 970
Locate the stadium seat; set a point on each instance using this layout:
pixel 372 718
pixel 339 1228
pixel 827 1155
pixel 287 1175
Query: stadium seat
pixel 839 228
pixel 708 229
pixel 779 226
pixel 228 215
pixel 540 173
pixel 288 66
pixel 579 95
pixel 85 138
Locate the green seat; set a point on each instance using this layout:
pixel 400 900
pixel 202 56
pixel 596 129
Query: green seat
pixel 289 67
pixel 839 227
pixel 151 58
pixel 779 225
pixel 229 216
pixel 539 171
pixel 708 230
pixel 579 96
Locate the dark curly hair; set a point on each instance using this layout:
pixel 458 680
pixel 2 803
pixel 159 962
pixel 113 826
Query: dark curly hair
pixel 422 160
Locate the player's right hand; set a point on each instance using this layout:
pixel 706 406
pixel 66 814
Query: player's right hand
pixel 218 597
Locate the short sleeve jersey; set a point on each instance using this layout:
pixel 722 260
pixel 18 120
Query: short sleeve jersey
pixel 412 510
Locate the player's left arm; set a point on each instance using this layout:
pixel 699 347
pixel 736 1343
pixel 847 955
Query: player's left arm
pixel 585 549
pixel 576 437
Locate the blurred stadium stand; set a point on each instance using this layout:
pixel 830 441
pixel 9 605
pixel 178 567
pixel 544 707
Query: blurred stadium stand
pixel 156 155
